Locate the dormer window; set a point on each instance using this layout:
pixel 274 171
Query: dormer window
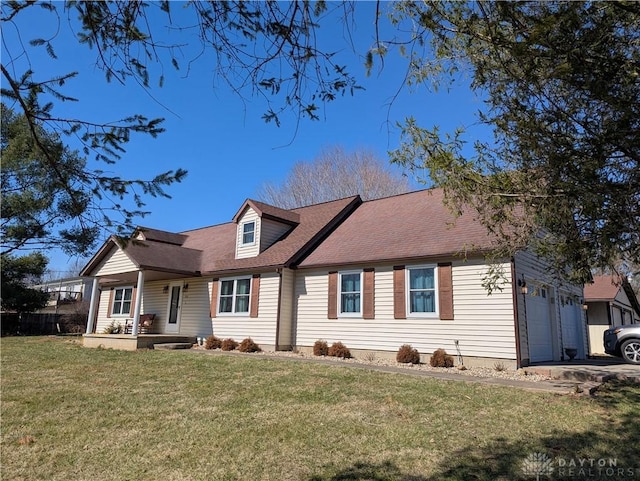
pixel 248 233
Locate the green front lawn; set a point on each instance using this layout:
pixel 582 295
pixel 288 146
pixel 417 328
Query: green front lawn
pixel 70 413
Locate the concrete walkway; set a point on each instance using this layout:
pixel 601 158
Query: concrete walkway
pixel 590 370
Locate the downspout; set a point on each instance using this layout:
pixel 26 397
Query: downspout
pixel 279 271
pixel 516 325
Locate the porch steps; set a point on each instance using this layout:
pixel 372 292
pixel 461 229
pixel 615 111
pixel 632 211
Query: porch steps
pixel 169 346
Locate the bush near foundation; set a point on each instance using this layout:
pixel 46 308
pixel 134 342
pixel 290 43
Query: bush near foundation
pixel 408 355
pixel 338 349
pixel 320 348
pixel 247 345
pixel 212 342
pixel 440 358
pixel 228 345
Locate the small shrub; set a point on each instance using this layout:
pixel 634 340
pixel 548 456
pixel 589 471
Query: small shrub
pixel 113 328
pixel 338 349
pixel 369 356
pixel 499 366
pixel 320 348
pixel 408 355
pixel 228 345
pixel 212 342
pixel 247 345
pixel 440 358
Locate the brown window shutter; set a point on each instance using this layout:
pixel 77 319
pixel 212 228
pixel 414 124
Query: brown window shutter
pixel 110 306
pixel 333 296
pixel 213 307
pixel 255 295
pixel 399 296
pixel 445 291
pixel 368 302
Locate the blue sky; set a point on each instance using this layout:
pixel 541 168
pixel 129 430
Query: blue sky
pixel 219 137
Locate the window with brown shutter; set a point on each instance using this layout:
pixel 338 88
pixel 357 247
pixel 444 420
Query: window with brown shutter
pixel 332 308
pixel 255 295
pixel 399 298
pixel 445 291
pixel 368 294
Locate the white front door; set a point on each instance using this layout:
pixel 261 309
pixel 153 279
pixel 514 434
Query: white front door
pixel 174 308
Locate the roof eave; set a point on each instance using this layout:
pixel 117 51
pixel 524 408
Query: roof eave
pixel 398 260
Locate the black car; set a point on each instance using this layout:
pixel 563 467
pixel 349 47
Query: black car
pixel 624 342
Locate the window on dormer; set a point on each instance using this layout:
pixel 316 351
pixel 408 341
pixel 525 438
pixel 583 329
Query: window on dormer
pixel 248 233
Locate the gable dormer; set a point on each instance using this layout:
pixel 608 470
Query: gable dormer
pixel 259 225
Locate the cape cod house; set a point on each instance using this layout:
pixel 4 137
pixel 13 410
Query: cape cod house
pixel 374 275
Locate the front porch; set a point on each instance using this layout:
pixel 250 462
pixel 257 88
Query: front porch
pixel 129 342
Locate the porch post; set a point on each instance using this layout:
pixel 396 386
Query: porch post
pixel 93 306
pixel 136 310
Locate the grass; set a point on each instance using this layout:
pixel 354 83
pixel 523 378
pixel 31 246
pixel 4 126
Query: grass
pixel 74 413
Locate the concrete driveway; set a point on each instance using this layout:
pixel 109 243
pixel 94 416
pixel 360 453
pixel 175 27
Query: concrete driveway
pixel 598 370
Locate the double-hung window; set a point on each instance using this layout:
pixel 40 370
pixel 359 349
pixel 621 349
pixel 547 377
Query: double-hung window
pixel 350 293
pixel 248 233
pixel 122 297
pixel 234 295
pixel 422 290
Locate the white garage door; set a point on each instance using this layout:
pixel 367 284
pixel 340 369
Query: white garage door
pixel 570 318
pixel 539 325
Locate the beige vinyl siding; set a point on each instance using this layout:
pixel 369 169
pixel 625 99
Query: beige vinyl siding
pixel 285 338
pixel 261 329
pixel 103 311
pixel 535 270
pixel 250 250
pixel 271 231
pixel 194 318
pixel 483 324
pixel 116 262
pixel 598 323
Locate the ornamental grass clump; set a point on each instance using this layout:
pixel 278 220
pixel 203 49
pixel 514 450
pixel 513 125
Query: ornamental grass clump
pixel 440 358
pixel 247 345
pixel 212 342
pixel 408 355
pixel 338 349
pixel 320 348
pixel 228 345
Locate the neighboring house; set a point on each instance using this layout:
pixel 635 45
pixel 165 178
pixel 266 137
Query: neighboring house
pixel 65 294
pixel 610 302
pixel 374 275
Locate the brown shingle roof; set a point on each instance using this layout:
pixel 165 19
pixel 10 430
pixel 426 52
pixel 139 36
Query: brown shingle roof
pixel 406 226
pixel 211 250
pixel 268 211
pixel 164 257
pixel 161 236
pixel 604 288
pixel 217 243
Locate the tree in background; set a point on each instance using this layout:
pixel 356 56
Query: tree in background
pixel 17 274
pixel 42 206
pixel 259 48
pixel 560 83
pixel 335 174
pixel 561 88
